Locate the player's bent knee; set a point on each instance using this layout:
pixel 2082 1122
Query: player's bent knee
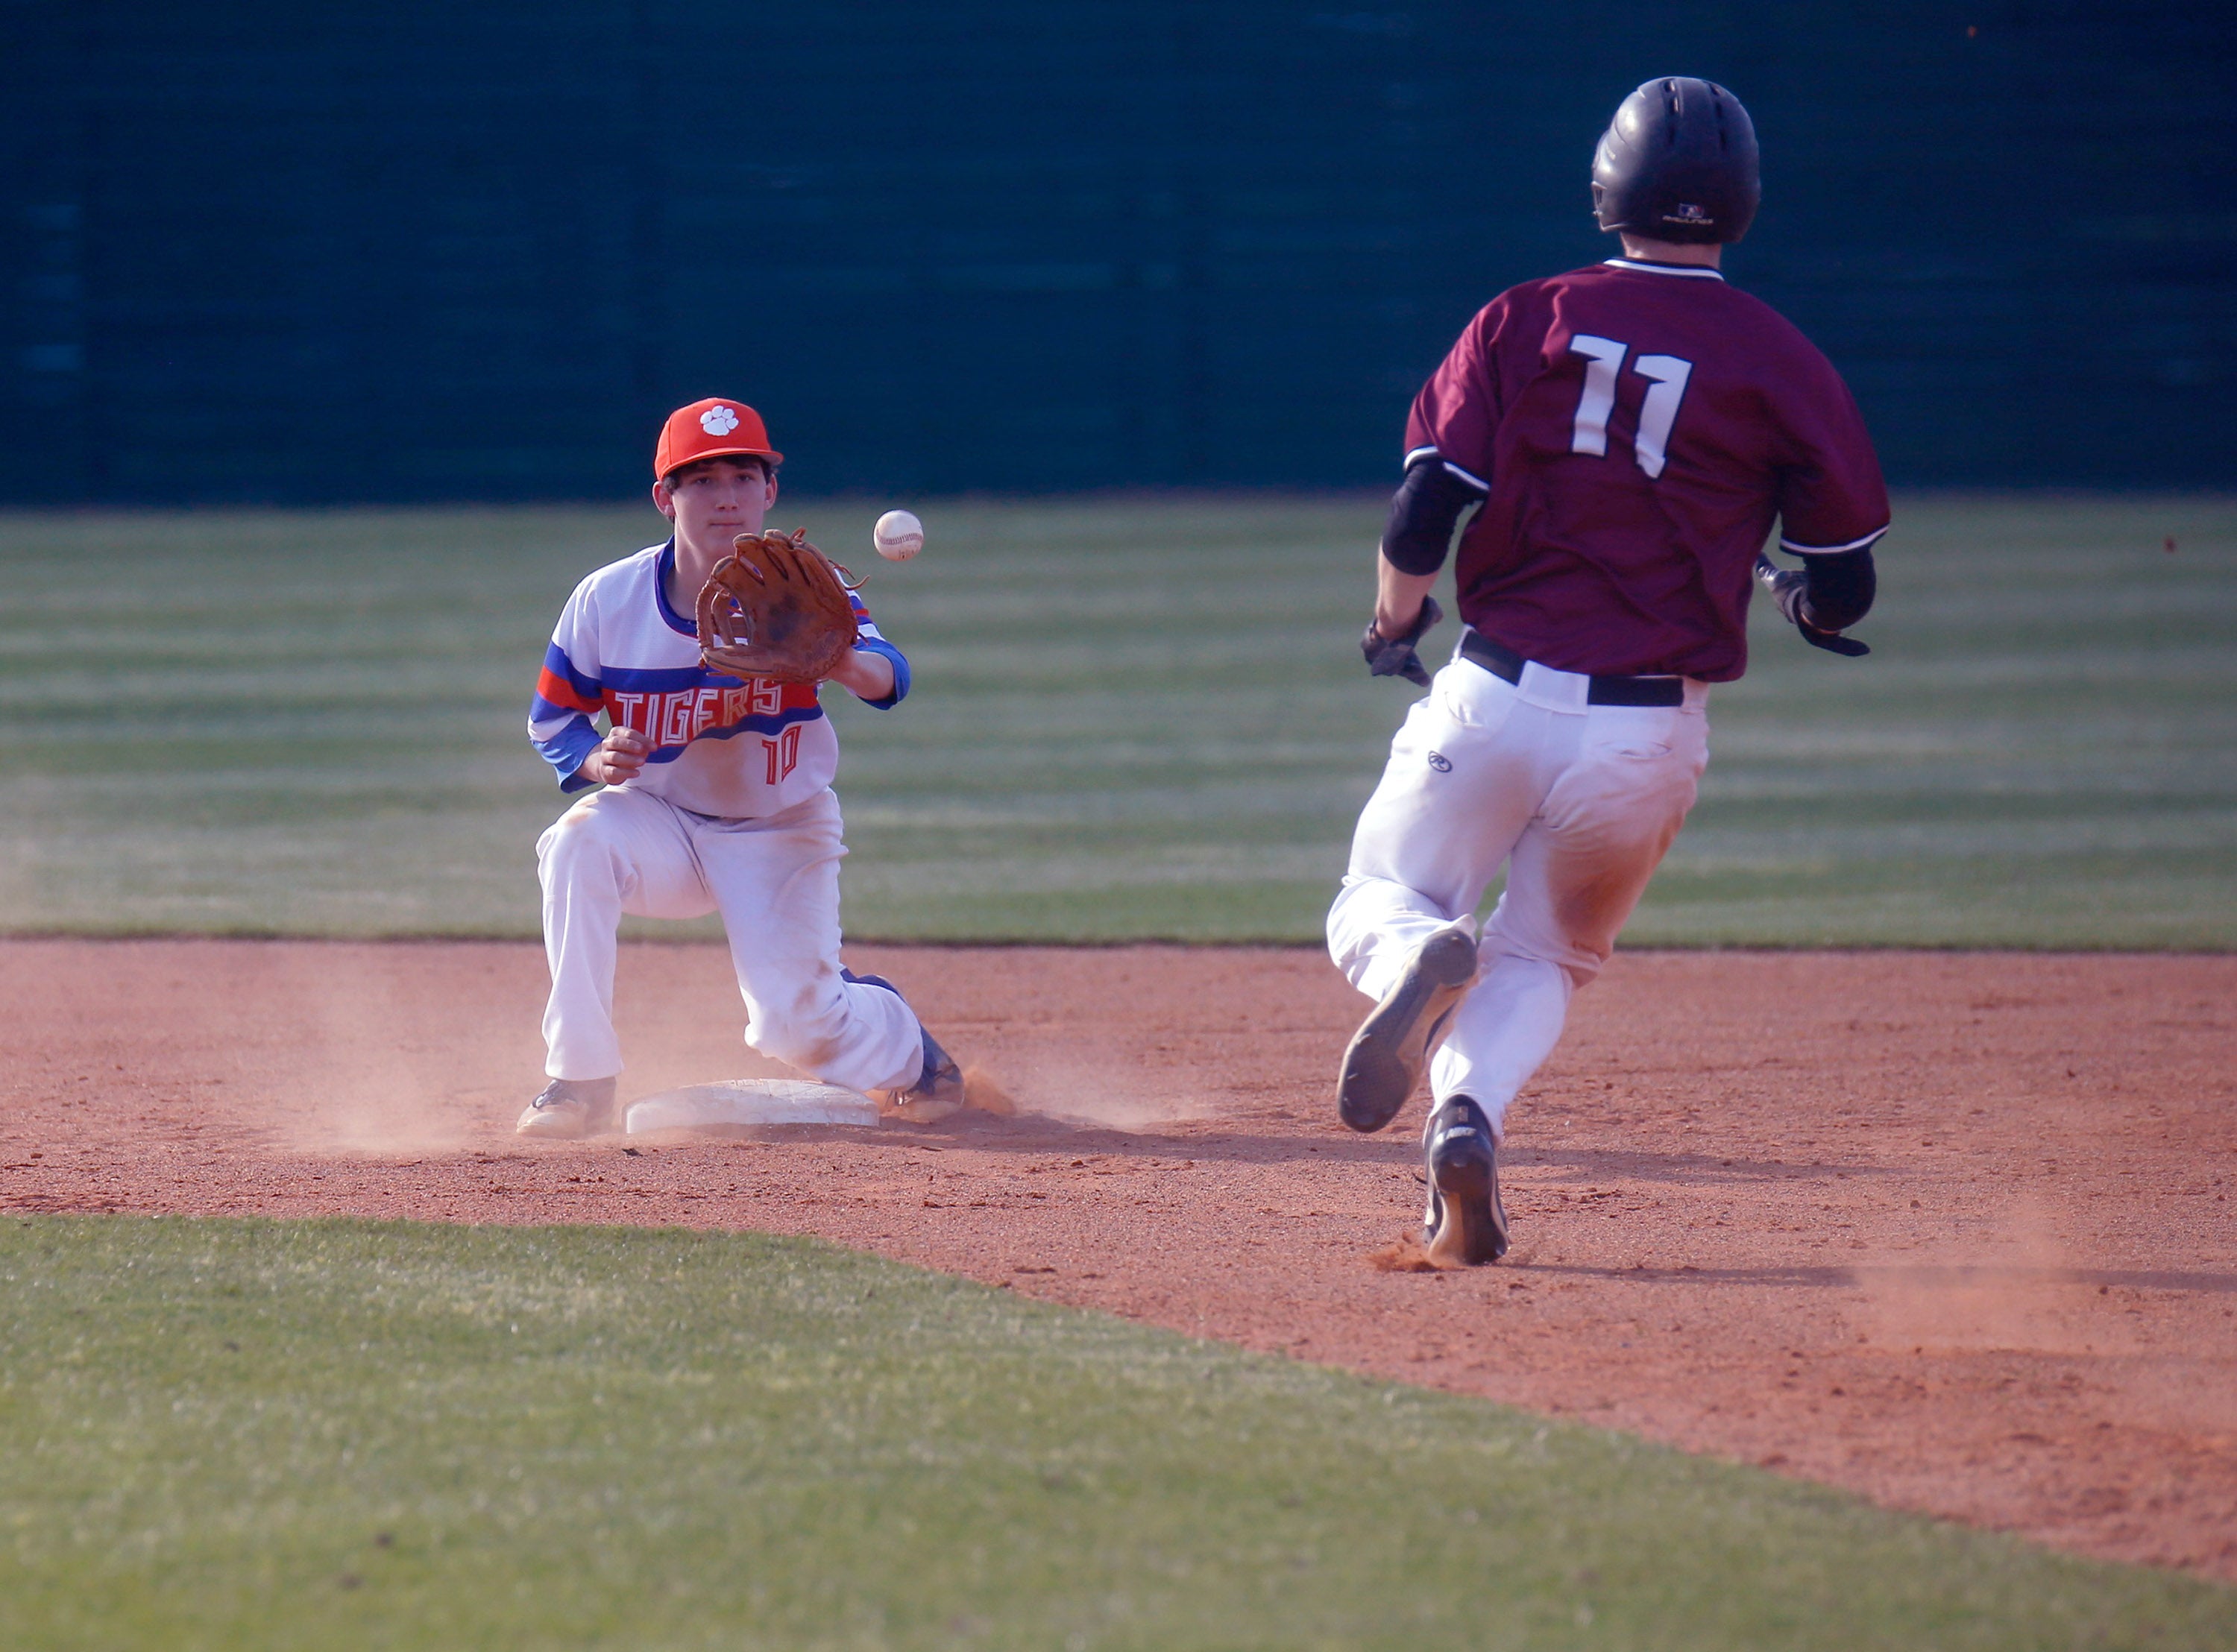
pixel 807 1029
pixel 1573 963
pixel 581 847
pixel 583 827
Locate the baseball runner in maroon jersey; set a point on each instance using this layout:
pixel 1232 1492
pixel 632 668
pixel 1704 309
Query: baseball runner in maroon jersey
pixel 1630 432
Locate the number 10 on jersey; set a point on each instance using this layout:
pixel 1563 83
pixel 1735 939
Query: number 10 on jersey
pixel 1665 389
pixel 783 754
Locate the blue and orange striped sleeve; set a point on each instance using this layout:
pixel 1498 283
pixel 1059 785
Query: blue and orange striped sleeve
pixel 870 640
pixel 559 713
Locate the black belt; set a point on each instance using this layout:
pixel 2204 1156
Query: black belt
pixel 1507 665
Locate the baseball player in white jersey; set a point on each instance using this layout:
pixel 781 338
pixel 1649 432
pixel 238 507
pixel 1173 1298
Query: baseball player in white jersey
pixel 1630 431
pixel 716 798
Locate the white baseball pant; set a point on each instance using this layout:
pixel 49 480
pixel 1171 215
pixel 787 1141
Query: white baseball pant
pixel 775 881
pixel 1578 801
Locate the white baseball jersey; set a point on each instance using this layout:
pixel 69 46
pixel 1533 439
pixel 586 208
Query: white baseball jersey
pixel 720 745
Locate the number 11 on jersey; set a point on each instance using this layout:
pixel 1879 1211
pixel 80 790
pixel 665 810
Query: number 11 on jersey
pixel 1667 377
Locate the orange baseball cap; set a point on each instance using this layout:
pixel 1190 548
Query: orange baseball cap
pixel 713 428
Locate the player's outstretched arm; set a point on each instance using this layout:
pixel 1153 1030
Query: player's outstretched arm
pixel 868 676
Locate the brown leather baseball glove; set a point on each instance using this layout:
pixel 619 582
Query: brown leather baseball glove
pixel 776 606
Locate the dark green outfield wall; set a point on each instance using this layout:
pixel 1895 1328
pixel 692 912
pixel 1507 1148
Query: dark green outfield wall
pixel 407 251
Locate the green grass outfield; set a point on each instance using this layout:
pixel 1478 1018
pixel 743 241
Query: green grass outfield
pixel 242 1435
pixel 1134 718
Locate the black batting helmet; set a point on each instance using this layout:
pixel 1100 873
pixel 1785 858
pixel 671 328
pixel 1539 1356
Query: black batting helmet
pixel 1679 163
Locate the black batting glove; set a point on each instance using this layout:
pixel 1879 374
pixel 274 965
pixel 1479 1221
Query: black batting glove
pixel 1394 656
pixel 1787 587
pixel 1832 642
pixel 1784 586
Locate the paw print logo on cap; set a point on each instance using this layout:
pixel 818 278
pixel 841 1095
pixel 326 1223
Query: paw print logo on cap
pixel 719 420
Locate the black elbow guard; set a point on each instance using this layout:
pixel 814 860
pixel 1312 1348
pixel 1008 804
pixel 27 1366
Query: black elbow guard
pixel 1842 584
pixel 1423 512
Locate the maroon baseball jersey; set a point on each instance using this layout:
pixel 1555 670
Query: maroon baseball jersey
pixel 1639 426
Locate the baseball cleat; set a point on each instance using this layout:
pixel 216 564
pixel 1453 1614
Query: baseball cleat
pixel 1465 1225
pixel 937 1093
pixel 571 1108
pixel 1385 1060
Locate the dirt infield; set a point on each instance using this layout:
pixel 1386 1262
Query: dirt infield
pixel 1954 1231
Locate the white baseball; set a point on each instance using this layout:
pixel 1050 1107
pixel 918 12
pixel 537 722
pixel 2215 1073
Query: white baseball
pixel 899 535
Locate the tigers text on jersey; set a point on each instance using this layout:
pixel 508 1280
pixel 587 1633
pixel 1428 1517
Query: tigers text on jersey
pixel 1639 426
pixel 720 745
